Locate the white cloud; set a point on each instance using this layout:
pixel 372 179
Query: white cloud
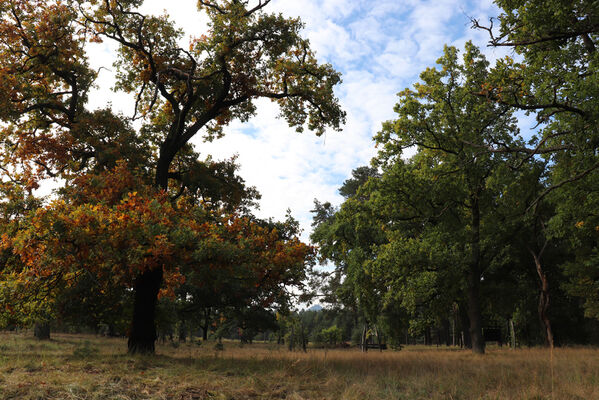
pixel 380 46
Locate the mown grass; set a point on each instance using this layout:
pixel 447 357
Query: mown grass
pixel 88 367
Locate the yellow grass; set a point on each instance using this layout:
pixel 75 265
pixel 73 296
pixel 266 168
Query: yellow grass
pixel 88 367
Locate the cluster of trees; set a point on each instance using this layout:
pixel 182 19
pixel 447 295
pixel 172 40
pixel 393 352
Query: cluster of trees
pixel 461 222
pixel 462 219
pixel 140 216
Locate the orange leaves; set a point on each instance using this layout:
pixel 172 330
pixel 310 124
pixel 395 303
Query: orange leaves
pixel 108 188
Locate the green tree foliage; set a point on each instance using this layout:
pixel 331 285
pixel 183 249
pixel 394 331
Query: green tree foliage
pixel 556 80
pixel 345 237
pixel 330 336
pixel 424 233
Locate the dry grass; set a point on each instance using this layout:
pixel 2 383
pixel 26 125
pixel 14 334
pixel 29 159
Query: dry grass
pixel 86 367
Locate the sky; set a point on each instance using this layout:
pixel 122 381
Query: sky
pixel 379 46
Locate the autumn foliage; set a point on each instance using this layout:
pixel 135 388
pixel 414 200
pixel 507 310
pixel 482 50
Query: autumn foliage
pixel 105 229
pixel 139 210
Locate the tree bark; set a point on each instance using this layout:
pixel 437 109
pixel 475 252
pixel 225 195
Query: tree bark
pixel 41 330
pixel 378 338
pixel 473 288
pixel 512 334
pixel 142 334
pixel 143 327
pixel 206 324
pixel 182 332
pixel 427 336
pixel 464 330
pixel 446 336
pixel 543 296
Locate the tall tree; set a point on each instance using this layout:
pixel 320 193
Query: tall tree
pixel 246 54
pixel 448 126
pixel 556 80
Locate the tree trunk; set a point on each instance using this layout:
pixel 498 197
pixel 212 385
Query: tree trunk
pixel 41 330
pixel 142 334
pixel 143 327
pixel 512 334
pixel 543 296
pixel 454 324
pixel 364 339
pixel 473 288
pixel 291 344
pixel 182 332
pixel 378 338
pixel 427 336
pixel 445 329
pixel 464 330
pixel 206 325
pixel 303 337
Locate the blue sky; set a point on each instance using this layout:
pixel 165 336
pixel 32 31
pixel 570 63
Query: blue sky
pixel 380 46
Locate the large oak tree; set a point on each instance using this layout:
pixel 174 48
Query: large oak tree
pixel 244 55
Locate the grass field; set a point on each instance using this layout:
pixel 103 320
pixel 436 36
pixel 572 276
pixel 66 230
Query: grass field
pixel 89 367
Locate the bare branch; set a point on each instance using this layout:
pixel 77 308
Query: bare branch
pixel 261 5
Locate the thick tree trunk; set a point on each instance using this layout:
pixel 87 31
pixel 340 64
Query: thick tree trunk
pixel 473 288
pixel 143 327
pixel 162 167
pixel 142 334
pixel 41 330
pixel 364 345
pixel 474 314
pixel 543 296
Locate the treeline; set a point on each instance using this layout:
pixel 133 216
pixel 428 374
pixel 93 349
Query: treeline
pixel 464 220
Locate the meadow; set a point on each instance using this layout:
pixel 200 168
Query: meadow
pixel 90 367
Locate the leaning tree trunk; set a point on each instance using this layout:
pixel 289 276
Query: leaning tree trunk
pixel 143 327
pixel 543 296
pixel 473 288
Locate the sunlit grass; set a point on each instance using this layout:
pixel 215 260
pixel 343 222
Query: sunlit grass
pixel 88 367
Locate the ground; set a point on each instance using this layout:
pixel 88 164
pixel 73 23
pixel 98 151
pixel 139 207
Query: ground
pixel 90 367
